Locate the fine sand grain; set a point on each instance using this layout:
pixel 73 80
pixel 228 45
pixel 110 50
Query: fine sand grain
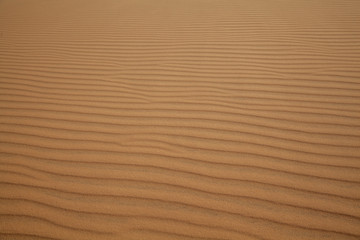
pixel 180 119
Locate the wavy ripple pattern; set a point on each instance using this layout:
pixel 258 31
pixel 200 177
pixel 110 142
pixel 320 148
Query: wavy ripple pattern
pixel 190 119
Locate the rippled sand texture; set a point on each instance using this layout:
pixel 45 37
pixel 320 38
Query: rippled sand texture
pixel 191 119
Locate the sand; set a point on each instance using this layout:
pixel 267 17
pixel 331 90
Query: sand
pixel 191 119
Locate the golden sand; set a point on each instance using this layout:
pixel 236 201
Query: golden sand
pixel 191 119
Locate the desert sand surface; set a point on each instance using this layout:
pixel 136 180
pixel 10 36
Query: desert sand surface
pixel 191 119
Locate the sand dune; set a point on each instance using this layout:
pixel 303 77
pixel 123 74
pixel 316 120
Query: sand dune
pixel 192 119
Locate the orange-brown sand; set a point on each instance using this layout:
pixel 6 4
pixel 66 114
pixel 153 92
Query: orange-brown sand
pixel 191 119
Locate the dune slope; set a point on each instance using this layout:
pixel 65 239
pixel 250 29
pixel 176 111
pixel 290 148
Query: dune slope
pixel 192 119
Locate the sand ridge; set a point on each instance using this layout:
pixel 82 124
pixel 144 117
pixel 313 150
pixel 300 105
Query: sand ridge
pixel 191 119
